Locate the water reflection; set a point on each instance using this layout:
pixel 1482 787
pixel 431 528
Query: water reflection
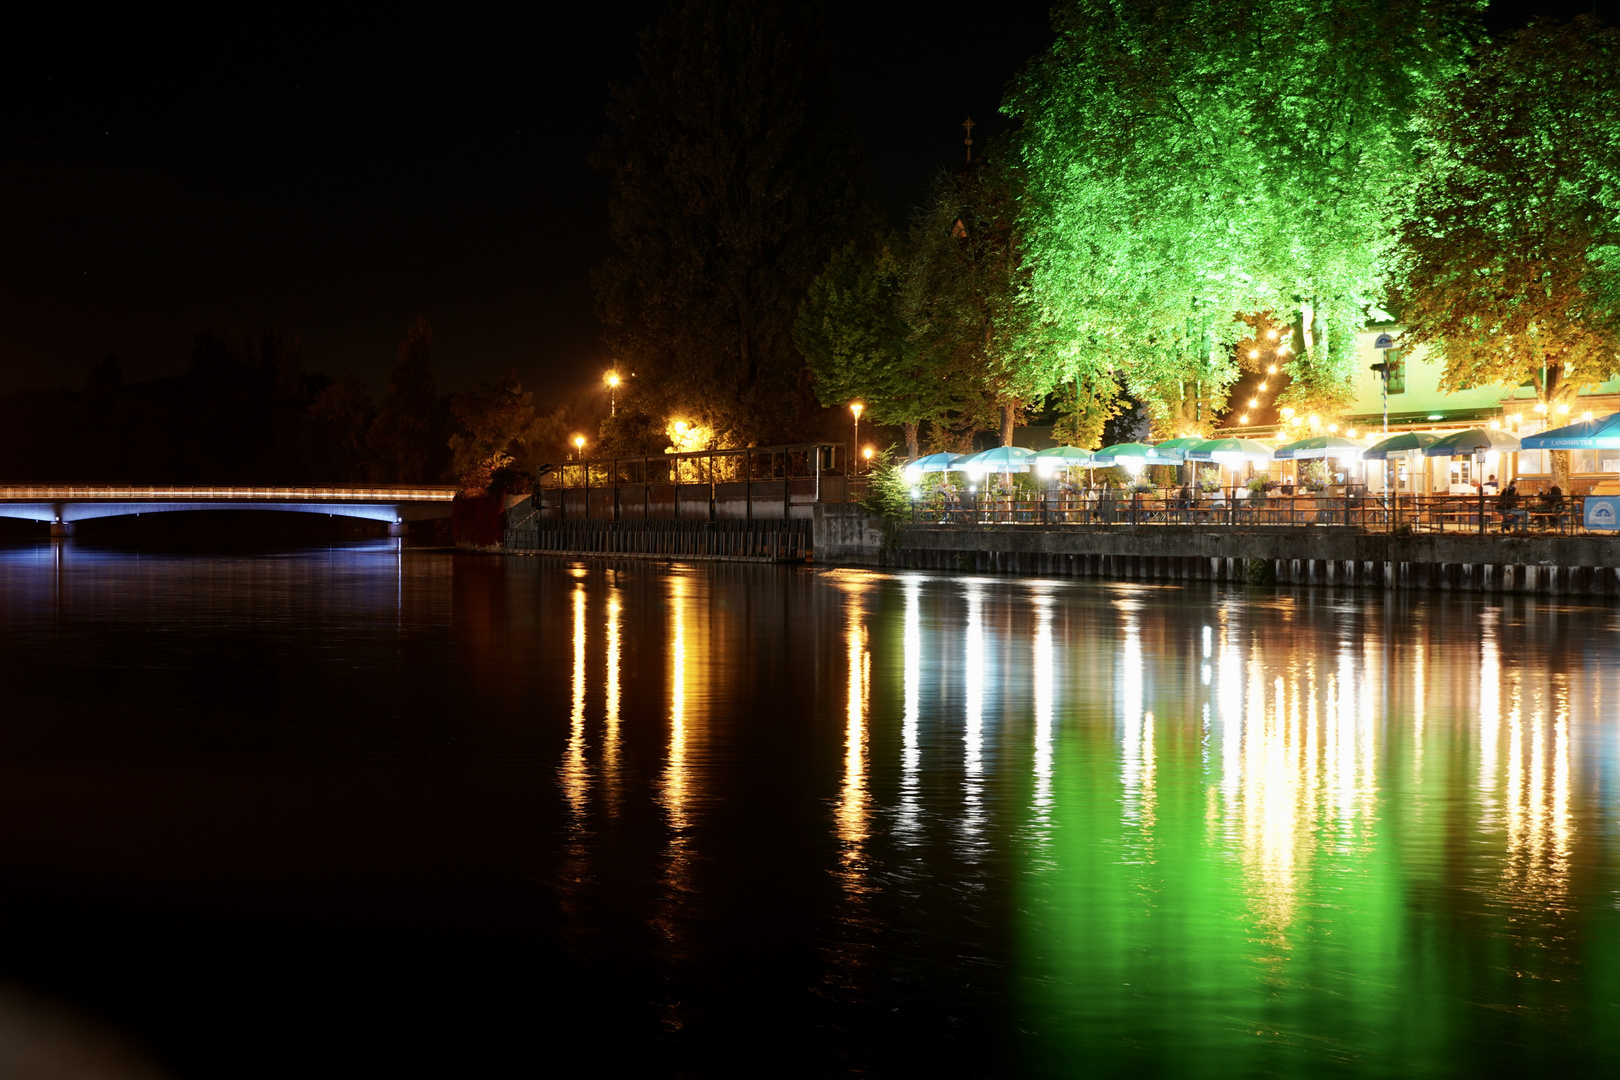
pixel 1078 828
pixel 853 801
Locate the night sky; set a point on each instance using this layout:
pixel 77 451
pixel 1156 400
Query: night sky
pixel 332 171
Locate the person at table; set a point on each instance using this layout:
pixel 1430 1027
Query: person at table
pixel 1507 504
pixel 1552 502
pixel 1490 485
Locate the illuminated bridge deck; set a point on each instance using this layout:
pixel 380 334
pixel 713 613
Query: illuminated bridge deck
pixel 61 505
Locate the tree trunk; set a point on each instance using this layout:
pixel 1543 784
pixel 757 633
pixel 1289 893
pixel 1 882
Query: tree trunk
pixel 1007 413
pixel 1560 469
pixel 912 450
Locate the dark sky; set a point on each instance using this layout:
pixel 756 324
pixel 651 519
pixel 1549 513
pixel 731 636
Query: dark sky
pixel 332 170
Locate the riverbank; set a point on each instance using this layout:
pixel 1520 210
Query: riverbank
pixel 1316 555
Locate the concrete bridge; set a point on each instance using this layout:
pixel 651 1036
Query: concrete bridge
pixel 62 506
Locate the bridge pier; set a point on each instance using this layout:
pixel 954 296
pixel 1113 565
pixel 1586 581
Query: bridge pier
pixel 398 528
pixel 61 529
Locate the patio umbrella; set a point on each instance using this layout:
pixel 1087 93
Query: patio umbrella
pixel 1050 461
pixel 1127 452
pixel 1602 433
pixel 1318 446
pixel 998 459
pixel 1229 450
pixel 1471 442
pixel 1399 444
pixel 1183 444
pixel 932 463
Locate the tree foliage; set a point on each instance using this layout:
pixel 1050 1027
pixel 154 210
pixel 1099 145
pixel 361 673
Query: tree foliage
pixel 408 437
pixel 1509 261
pixel 966 301
pixel 733 180
pixel 1195 159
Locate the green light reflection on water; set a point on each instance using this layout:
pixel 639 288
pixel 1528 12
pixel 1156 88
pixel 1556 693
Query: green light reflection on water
pixel 1302 856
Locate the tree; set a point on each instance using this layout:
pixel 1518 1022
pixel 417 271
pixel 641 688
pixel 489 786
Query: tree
pixel 733 180
pixel 407 434
pixel 335 432
pixel 851 330
pixel 491 418
pixel 1190 160
pixel 972 326
pixel 1509 249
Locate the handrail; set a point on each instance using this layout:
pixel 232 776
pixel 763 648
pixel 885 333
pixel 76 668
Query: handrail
pixel 1451 514
pixel 433 493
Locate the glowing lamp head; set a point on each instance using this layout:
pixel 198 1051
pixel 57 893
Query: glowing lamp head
pixel 613 379
pixel 1272 370
pixel 1254 354
pixel 1586 416
pixel 1563 409
pixel 1244 419
pixel 1541 406
pixel 857 408
pixel 681 427
pixel 1333 429
pixel 1496 425
pixel 1272 334
pixel 867 453
pixel 579 442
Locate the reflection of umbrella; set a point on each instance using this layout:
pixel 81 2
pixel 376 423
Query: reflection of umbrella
pixel 1399 444
pixel 1229 450
pixel 1600 434
pixel 1318 446
pixel 1135 452
pixel 1000 459
pixel 933 463
pixel 1472 442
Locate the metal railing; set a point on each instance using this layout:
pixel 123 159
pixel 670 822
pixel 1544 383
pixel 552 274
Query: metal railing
pixel 396 493
pixel 1238 508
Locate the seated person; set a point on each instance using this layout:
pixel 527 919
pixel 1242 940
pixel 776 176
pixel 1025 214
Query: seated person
pixel 1508 505
pixel 1552 503
pixel 1490 485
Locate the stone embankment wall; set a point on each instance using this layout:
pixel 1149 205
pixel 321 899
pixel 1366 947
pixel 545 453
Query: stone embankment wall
pixel 1322 555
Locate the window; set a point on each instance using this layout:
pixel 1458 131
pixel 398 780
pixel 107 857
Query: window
pixel 1395 371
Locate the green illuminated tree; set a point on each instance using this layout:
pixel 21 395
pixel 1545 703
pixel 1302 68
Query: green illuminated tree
pixel 733 181
pixel 1189 160
pixel 1509 259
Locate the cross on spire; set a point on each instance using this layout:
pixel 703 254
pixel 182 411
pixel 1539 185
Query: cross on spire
pixel 968 125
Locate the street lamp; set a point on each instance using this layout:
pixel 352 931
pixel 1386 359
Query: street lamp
pixel 579 445
pixel 613 393
pixel 857 408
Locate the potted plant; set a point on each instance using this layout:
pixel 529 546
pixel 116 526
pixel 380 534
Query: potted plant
pixel 1209 480
pixel 1317 475
pixel 1258 486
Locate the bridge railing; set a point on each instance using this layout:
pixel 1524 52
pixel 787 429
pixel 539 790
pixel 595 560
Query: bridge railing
pixel 63 493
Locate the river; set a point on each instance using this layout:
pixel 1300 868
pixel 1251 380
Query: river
pixel 352 810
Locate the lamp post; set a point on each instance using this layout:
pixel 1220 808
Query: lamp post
pixel 613 393
pixel 857 408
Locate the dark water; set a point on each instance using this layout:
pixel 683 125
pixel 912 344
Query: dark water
pixel 350 811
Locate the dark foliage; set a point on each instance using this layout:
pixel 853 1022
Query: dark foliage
pixel 733 180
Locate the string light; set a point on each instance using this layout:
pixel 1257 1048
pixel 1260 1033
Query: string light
pixel 1262 386
pixel 1272 334
pixel 1244 419
pixel 1254 354
pixel 1272 370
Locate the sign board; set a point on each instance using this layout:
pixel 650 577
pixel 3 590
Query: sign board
pixel 1602 512
pixel 1384 342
